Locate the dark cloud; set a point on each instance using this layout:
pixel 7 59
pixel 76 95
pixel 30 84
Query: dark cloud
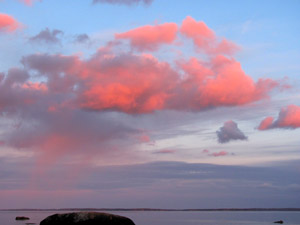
pixel 124 2
pixel 229 132
pixel 47 36
pixel 12 97
pixel 47 65
pixel 82 38
pixel 47 122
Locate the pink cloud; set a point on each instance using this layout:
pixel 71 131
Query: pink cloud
pixel 35 86
pixel 198 31
pixel 69 109
pixel 150 37
pixel 225 47
pixel 165 151
pixel 216 154
pixel 221 153
pixel 226 84
pixel 289 117
pixel 221 82
pixel 8 23
pixel 145 138
pixel 205 39
pixel 205 151
pixel 138 84
pixel 266 123
pixel 28 2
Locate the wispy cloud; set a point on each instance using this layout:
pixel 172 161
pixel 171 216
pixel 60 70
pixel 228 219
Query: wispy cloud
pixel 165 151
pixel 216 154
pixel 47 36
pixel 29 2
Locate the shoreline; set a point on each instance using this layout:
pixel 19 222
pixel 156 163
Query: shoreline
pixel 163 210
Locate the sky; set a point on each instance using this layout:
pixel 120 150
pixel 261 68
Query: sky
pixel 143 103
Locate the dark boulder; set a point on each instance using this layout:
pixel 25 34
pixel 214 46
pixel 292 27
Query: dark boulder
pixel 279 221
pixel 22 218
pixel 86 218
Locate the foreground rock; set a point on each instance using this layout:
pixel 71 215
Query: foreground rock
pixel 86 218
pixel 279 221
pixel 22 218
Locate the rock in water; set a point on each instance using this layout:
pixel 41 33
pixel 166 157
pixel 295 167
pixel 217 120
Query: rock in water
pixel 280 221
pixel 22 218
pixel 86 218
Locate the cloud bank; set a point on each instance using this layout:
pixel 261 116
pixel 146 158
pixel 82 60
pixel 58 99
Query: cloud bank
pixel 197 185
pixel 65 103
pixel 138 84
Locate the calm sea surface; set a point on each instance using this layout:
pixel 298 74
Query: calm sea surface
pixel 172 218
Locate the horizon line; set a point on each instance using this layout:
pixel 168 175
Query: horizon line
pixel 155 209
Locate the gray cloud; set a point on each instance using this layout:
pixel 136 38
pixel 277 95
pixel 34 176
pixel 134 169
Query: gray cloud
pixel 43 117
pixel 229 132
pixel 47 36
pixel 82 38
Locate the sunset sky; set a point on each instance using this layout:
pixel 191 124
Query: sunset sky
pixel 149 103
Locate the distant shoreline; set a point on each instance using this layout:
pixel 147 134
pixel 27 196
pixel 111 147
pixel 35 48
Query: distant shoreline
pixel 163 210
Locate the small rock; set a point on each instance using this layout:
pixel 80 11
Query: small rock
pixel 22 218
pixel 86 218
pixel 279 221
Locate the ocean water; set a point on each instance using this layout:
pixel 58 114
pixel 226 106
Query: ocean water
pixel 172 218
